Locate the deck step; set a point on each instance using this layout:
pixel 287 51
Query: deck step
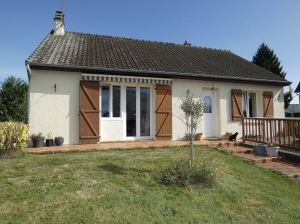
pixel 257 158
pixel 288 169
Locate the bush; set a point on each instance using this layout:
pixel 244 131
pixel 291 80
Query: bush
pixel 188 175
pixel 13 137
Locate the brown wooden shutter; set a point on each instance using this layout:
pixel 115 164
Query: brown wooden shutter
pixel 268 104
pixel 236 103
pixel 89 112
pixel 163 112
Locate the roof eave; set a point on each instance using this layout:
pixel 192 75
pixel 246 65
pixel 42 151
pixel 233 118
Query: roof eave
pixel 153 73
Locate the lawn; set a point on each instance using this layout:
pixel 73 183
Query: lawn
pixel 120 187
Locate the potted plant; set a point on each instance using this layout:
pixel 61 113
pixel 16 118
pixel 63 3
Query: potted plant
pixel 49 140
pixel 272 149
pixel 59 140
pixel 260 149
pixel 228 134
pixel 199 136
pixel 37 140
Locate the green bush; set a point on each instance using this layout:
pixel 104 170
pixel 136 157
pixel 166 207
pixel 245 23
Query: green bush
pixel 13 137
pixel 188 175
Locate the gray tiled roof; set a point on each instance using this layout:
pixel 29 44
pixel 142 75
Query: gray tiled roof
pixel 107 52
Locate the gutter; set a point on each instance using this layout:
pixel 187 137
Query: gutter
pixel 167 74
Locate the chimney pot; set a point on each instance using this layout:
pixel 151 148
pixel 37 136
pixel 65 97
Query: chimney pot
pixel 59 23
pixel 186 43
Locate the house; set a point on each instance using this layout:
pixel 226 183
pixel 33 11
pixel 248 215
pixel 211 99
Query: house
pixel 92 88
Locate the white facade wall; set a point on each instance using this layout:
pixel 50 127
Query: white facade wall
pixel 58 112
pixel 222 90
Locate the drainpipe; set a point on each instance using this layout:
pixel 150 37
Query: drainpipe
pixel 28 71
pixel 28 95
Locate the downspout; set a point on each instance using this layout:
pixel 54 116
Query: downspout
pixel 28 71
pixel 28 95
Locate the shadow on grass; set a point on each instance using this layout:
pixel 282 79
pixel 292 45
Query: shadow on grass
pixel 117 169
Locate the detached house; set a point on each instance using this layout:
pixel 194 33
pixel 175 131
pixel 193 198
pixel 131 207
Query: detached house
pixel 93 88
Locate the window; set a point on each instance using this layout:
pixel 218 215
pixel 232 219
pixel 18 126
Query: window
pixel 111 101
pixel 207 105
pixel 105 101
pixel 249 104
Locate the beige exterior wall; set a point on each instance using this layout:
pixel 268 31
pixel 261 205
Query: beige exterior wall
pixel 223 103
pixel 51 111
pixel 58 112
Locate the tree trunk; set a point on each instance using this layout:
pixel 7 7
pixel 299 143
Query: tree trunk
pixel 192 140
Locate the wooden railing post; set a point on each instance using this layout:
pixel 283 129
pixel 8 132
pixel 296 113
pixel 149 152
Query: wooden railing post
pixel 243 131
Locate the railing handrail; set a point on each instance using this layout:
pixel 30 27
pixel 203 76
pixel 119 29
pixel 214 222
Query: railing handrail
pixel 271 118
pixel 285 131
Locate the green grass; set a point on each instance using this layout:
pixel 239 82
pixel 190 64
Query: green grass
pixel 119 187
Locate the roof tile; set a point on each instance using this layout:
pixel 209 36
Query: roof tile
pixel 99 51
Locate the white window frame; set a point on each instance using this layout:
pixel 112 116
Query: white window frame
pixel 110 117
pixel 256 101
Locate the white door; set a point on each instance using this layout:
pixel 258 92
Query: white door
pixel 138 108
pixel 209 117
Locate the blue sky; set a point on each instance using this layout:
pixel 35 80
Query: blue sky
pixel 235 25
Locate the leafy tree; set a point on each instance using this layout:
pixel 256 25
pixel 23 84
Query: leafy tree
pixel 13 100
pixel 192 113
pixel 267 59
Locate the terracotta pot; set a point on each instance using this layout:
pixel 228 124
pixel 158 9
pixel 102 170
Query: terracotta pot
pixel 198 137
pixel 228 135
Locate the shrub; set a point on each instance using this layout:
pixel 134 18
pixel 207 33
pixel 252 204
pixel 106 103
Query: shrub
pixel 13 137
pixel 188 175
pixel 37 136
pixel 59 138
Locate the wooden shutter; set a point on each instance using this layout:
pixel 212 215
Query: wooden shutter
pixel 268 104
pixel 163 112
pixel 89 112
pixel 236 103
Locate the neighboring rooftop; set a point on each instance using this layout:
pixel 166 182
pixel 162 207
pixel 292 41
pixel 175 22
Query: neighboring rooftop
pixel 98 52
pixel 297 90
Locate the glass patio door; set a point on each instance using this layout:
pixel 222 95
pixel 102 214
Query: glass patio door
pixel 138 117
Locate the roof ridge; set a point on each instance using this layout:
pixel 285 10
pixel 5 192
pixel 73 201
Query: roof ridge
pixel 152 41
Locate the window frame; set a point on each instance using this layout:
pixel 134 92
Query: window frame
pixel 111 117
pixel 248 105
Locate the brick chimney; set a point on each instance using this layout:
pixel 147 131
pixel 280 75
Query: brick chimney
pixel 59 23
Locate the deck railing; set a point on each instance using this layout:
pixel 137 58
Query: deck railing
pixel 284 131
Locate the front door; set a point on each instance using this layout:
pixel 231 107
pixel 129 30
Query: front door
pixel 138 108
pixel 209 117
